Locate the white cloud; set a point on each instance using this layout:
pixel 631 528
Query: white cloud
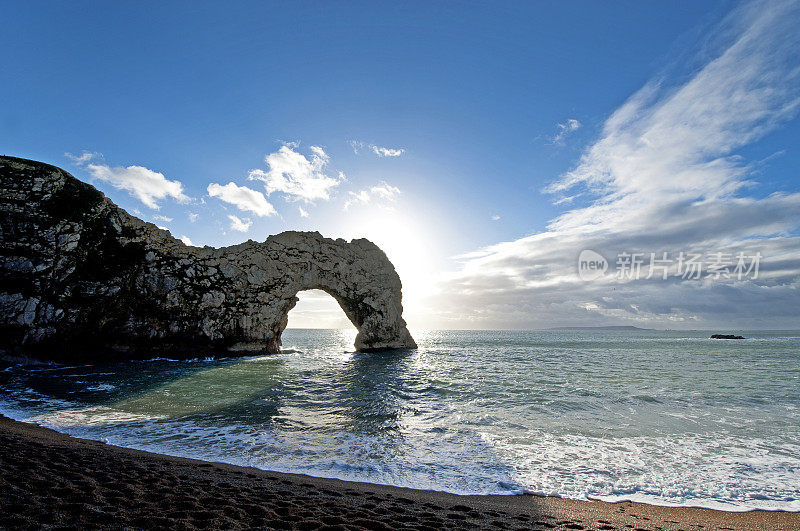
pixel 357 146
pixel 303 213
pixel 319 152
pixel 299 177
pixel 240 224
pixel 564 129
pixel 380 151
pixel 146 185
pixel 495 218
pixel 383 191
pixel 187 241
pixel 83 158
pixel 159 217
pixel 663 177
pixel 357 197
pixel 243 198
pixel 387 152
pixel 564 200
pixel 193 216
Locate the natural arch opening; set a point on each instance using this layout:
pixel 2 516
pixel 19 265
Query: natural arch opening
pixel 317 309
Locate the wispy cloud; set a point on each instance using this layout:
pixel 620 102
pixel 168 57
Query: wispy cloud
pixel 147 185
pixel 663 177
pixel 564 129
pixel 380 151
pixel 387 152
pixel 301 178
pixel 361 196
pixel 383 191
pixel 241 225
pixel 83 158
pixel 243 198
pixel 303 213
pixel 495 217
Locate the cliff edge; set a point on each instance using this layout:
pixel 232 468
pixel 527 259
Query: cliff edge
pixel 80 278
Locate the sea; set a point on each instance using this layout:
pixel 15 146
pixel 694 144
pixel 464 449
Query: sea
pixel 664 417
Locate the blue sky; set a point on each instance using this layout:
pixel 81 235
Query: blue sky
pixel 483 111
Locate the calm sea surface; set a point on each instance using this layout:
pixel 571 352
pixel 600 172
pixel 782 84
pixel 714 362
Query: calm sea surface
pixel 663 417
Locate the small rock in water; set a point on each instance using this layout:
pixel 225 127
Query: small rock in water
pixel 725 336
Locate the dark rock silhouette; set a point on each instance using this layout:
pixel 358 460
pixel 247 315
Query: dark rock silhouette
pixel 80 278
pixel 725 336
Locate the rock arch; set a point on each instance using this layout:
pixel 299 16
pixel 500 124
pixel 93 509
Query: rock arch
pixel 82 278
pixel 356 274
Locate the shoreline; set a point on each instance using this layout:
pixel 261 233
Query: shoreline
pixel 51 479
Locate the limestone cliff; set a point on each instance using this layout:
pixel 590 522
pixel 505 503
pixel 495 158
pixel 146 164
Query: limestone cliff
pixel 80 278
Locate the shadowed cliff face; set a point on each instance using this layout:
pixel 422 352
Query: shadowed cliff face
pixel 80 278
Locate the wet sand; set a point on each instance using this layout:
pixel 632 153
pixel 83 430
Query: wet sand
pixel 50 480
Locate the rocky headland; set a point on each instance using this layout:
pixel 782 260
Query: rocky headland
pixel 80 278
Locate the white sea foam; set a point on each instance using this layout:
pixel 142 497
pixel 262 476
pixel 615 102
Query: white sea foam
pixel 614 416
pixel 101 387
pixel 90 416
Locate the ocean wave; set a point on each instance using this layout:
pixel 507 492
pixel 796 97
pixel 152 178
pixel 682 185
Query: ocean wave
pixel 90 416
pixel 617 419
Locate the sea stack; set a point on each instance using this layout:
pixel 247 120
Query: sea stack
pixel 80 278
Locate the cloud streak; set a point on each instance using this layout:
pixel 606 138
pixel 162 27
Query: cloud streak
pixel 663 176
pixel 382 192
pixel 564 129
pixel 83 158
pixel 380 151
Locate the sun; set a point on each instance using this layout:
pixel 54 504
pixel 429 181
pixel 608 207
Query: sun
pixel 409 241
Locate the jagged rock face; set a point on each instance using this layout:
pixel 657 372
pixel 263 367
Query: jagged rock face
pixel 80 278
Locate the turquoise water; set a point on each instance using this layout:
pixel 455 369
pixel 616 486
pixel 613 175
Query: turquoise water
pixel 664 417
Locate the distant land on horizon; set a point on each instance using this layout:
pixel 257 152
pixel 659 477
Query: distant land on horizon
pixel 628 327
pixel 562 328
